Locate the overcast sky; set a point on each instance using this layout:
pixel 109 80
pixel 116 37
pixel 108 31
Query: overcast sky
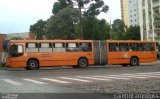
pixel 16 16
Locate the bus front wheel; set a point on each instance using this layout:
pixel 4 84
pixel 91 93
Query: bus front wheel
pixel 134 61
pixel 82 62
pixel 32 64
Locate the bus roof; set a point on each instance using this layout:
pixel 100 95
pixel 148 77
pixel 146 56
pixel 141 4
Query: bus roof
pixel 25 41
pixel 128 41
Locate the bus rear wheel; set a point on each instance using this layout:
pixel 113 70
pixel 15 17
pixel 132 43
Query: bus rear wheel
pixel 32 64
pixel 134 61
pixel 82 62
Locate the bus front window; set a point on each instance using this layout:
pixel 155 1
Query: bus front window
pixel 16 50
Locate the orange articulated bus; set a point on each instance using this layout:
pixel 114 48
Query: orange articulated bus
pixel 32 54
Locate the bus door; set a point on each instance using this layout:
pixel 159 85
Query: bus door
pixel 100 51
pixel 16 53
pixel 114 54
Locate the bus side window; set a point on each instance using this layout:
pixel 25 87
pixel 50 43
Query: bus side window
pixel 113 47
pixel 59 47
pixel 45 47
pixel 85 47
pixel 72 47
pixel 144 47
pixel 134 47
pixel 32 47
pixel 123 47
pixel 151 46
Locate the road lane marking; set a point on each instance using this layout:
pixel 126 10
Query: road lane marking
pixel 149 73
pixel 112 77
pixel 128 76
pixel 11 82
pixel 76 79
pixel 55 80
pixel 35 81
pixel 94 78
pixel 137 74
pixel 132 76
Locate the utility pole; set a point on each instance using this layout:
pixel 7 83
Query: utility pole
pixel 81 28
pixel 110 29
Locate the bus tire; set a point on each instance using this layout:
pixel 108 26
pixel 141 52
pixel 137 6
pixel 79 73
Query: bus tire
pixel 82 62
pixel 32 64
pixel 134 61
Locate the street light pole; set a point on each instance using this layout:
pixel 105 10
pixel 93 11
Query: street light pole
pixel 110 29
pixel 81 28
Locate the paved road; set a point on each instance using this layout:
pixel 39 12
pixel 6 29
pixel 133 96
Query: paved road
pixel 96 79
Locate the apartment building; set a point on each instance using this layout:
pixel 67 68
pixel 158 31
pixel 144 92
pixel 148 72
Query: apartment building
pixel 130 12
pixel 124 12
pixel 149 16
pixel 146 14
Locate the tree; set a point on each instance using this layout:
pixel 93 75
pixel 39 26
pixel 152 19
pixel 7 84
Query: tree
pixel 118 26
pixel 133 33
pixel 118 30
pixel 94 9
pixel 95 29
pixel 62 24
pixel 39 28
pixel 57 6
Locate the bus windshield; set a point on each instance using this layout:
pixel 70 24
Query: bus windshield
pixel 15 50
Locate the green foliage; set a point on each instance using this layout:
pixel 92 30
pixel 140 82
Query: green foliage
pixel 39 28
pixel 119 33
pixel 96 7
pixel 118 26
pixel 16 38
pixel 95 29
pixel 57 6
pixel 133 33
pixel 68 22
pixel 62 24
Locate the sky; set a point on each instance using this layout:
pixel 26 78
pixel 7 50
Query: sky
pixel 16 16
